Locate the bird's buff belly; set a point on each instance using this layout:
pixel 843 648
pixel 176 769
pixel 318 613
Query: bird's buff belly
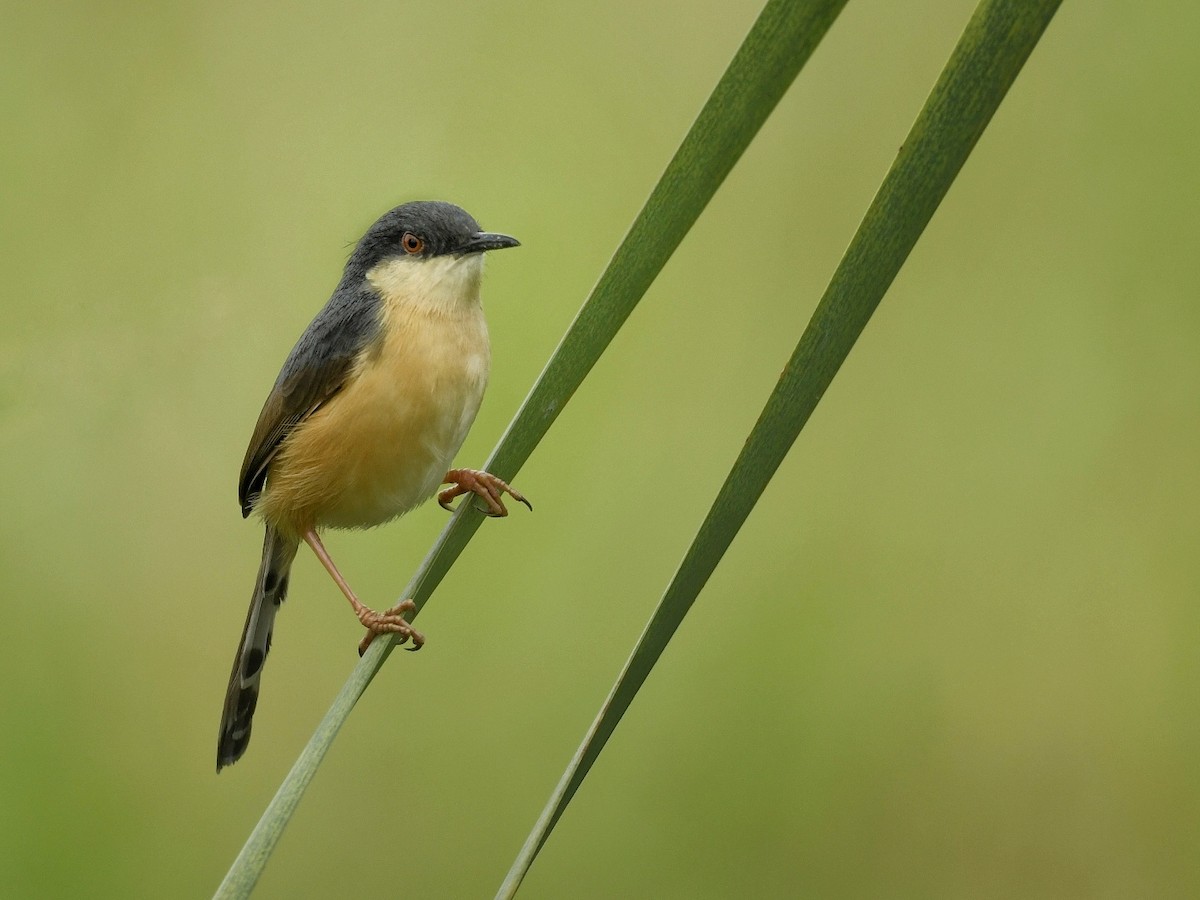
pixel 377 449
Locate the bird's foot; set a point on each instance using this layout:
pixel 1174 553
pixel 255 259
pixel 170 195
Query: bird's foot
pixel 487 486
pixel 390 621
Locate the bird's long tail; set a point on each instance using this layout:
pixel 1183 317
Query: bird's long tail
pixel 242 695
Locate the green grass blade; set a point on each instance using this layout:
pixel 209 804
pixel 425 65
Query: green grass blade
pixel 776 48
pixel 992 50
pixel 778 45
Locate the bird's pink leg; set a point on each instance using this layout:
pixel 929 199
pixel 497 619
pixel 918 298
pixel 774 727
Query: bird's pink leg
pixel 390 621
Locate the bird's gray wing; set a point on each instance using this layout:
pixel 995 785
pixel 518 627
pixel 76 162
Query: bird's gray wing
pixel 315 370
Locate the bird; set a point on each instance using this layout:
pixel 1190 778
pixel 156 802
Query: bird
pixel 367 414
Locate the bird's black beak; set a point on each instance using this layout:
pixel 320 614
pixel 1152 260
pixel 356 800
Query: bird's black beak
pixel 487 240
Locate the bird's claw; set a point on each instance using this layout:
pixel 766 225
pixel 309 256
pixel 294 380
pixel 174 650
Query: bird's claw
pixel 486 486
pixel 390 621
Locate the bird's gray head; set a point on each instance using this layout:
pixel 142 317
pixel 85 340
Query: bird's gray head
pixel 425 254
pixel 423 230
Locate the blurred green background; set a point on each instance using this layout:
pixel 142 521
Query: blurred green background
pixel 954 651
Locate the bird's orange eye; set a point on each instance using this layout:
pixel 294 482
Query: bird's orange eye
pixel 411 243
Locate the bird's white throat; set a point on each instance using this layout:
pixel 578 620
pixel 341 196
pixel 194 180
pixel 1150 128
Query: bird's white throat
pixel 440 285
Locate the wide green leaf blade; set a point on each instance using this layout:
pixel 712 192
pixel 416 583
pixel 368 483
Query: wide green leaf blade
pixel 777 46
pixel 993 48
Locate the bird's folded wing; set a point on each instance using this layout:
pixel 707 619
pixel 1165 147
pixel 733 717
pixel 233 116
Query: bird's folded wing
pixel 317 368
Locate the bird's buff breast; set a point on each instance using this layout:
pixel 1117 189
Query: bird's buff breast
pixel 381 445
